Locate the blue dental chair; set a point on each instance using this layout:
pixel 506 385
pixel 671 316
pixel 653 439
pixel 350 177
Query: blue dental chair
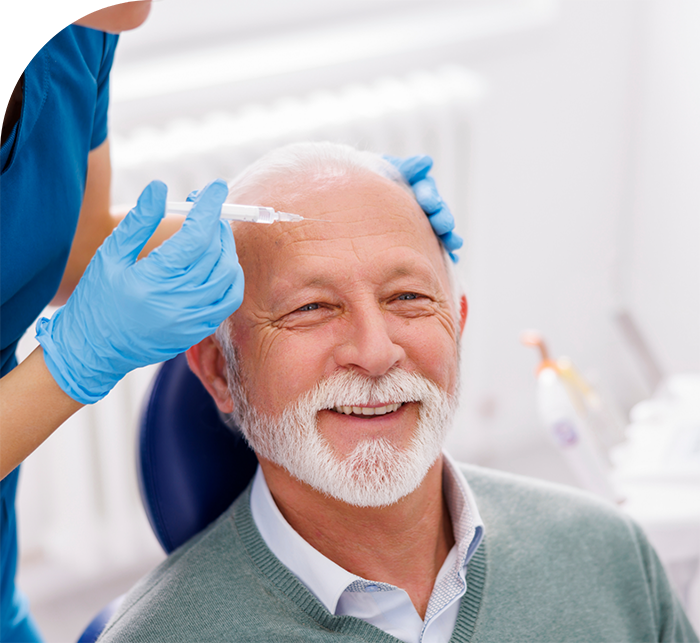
pixel 191 466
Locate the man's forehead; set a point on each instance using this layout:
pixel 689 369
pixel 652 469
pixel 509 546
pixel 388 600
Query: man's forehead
pixel 355 214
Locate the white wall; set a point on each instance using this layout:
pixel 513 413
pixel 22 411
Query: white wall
pixel 550 172
pixel 662 282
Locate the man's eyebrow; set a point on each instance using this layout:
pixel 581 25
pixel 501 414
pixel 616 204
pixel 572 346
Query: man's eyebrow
pixel 399 271
pixel 316 281
pixel 282 292
pixel 415 269
pixel 319 280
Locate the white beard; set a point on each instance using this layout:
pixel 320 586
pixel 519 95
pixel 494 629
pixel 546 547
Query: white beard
pixel 377 472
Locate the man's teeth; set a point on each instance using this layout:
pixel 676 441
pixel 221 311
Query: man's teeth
pixel 367 410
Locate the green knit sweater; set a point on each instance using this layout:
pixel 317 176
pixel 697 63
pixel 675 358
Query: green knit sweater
pixel 555 565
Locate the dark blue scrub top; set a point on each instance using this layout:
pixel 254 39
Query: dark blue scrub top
pixel 43 166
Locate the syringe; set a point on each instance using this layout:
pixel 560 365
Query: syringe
pixel 235 212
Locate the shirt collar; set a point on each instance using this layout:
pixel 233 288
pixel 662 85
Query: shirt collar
pixel 321 576
pixel 468 530
pixel 467 525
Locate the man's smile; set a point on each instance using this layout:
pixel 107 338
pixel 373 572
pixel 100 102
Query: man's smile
pixel 367 410
pixel 343 425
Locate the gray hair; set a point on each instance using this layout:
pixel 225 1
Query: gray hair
pixel 317 159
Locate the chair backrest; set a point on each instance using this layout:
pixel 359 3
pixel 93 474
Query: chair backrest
pixel 191 465
pixel 94 629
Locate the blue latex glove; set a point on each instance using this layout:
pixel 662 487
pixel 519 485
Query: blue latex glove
pixel 415 170
pixel 126 313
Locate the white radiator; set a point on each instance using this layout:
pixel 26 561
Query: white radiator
pixel 79 505
pixel 424 113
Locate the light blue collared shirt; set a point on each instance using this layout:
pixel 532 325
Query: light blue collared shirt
pixel 383 605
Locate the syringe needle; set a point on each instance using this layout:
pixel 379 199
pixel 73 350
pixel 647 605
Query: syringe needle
pixel 287 216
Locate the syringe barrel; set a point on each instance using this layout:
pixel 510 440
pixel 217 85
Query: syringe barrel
pixel 255 213
pixel 178 208
pixel 232 212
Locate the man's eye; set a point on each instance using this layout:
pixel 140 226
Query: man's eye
pixel 307 308
pixel 407 296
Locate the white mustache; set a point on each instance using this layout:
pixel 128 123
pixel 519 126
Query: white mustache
pixel 349 388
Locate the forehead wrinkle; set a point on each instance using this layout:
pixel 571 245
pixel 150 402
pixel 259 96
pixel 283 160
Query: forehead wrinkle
pixel 359 209
pixel 317 197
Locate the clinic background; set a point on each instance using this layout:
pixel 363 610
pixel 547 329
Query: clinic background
pixel 566 141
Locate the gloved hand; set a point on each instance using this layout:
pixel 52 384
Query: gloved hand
pixel 126 313
pixel 415 170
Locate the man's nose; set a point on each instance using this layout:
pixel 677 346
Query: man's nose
pixel 368 346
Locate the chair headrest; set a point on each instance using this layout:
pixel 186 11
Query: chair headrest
pixel 191 465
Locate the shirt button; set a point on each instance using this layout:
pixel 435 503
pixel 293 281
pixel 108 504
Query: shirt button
pixel 371 588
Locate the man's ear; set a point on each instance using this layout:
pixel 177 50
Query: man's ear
pixel 463 308
pixel 207 362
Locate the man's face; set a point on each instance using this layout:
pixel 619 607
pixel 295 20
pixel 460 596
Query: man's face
pixel 364 294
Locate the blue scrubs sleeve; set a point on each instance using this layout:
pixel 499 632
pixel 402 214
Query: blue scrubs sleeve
pixel 43 168
pixel 99 125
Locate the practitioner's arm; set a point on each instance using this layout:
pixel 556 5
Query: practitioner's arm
pixel 32 407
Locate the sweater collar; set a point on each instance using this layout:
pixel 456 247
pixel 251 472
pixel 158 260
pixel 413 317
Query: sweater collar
pixel 326 580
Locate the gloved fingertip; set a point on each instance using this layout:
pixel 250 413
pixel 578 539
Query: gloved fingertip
pixel 155 190
pixel 192 196
pixel 416 168
pixel 413 168
pixel 454 257
pixel 427 195
pixel 215 191
pixel 451 241
pixel 220 183
pixel 152 200
pixel 204 217
pixel 132 233
pixel 442 222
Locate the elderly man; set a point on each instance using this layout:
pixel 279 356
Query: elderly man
pixel 341 368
